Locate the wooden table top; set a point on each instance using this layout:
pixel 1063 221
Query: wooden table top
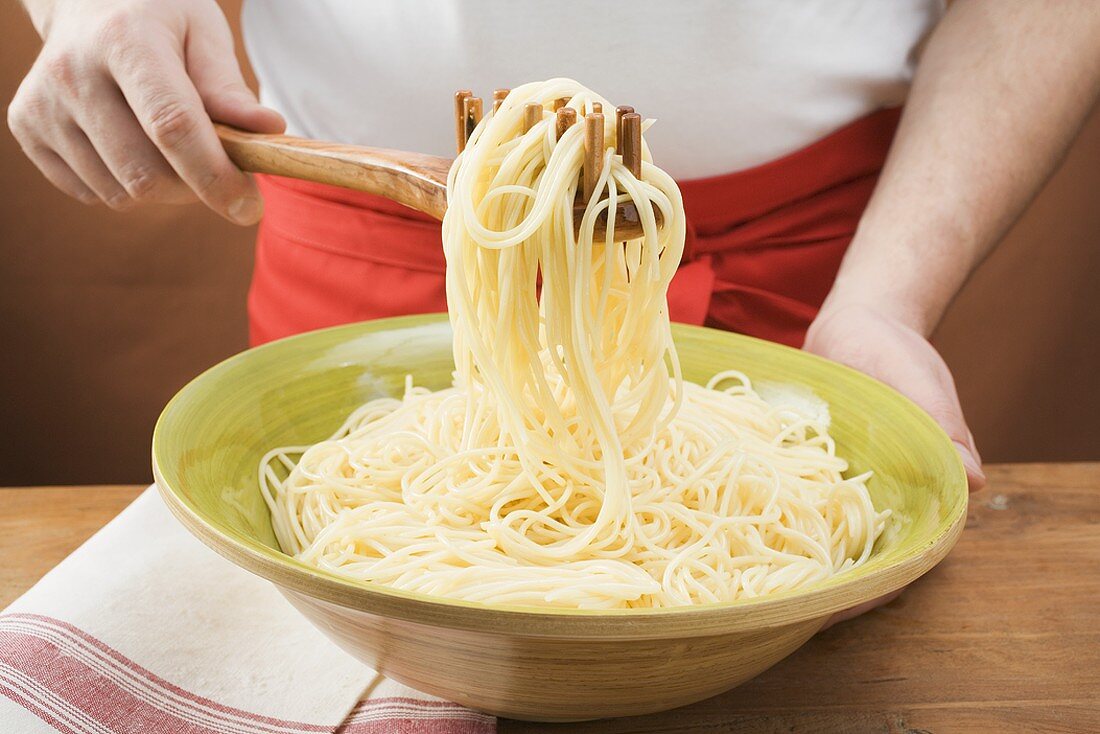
pixel 1002 636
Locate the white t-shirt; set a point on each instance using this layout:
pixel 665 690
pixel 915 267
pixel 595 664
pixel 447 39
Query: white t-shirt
pixel 732 83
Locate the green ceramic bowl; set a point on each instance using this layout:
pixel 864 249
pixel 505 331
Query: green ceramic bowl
pixel 528 662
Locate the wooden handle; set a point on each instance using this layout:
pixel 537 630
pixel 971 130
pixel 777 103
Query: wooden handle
pixel 416 180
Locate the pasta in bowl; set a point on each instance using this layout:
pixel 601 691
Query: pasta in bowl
pixel 570 464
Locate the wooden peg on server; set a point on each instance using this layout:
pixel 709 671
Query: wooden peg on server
pixel 498 98
pixel 593 152
pixel 631 136
pixel 472 111
pixel 532 115
pixel 597 107
pixel 460 118
pixel 560 102
pixel 566 118
pixel 621 110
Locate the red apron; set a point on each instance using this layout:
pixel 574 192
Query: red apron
pixel 763 245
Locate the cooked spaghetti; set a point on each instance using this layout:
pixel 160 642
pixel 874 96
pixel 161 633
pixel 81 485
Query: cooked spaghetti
pixel 569 465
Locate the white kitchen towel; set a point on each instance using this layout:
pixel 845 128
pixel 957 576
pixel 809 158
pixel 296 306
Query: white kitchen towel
pixel 143 629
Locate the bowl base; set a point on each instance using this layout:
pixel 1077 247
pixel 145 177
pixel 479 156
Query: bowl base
pixel 552 679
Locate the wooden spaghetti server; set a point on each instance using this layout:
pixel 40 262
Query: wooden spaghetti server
pixel 419 181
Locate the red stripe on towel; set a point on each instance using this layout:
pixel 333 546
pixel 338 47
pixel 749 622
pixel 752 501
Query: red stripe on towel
pixel 77 684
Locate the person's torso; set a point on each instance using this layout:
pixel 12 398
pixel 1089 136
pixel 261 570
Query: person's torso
pixel 732 84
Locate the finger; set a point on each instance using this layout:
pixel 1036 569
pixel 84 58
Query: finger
pixel 929 384
pixel 975 477
pixel 942 403
pixel 170 112
pixel 974 447
pixel 126 150
pixel 24 108
pixel 945 409
pixel 60 175
pixel 213 67
pixel 70 142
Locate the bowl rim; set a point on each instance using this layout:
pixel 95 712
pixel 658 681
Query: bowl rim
pixel 773 610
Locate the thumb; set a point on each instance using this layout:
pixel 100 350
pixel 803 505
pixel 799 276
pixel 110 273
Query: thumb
pixel 213 67
pixel 947 412
pixel 974 474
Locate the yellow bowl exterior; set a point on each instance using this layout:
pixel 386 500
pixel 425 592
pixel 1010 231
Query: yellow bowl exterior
pixel 528 662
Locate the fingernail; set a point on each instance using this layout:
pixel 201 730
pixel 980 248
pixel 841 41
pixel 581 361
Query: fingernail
pixel 246 210
pixel 971 464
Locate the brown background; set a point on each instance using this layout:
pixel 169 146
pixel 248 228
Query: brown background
pixel 104 316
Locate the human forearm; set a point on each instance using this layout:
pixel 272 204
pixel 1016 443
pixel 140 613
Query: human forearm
pixel 999 94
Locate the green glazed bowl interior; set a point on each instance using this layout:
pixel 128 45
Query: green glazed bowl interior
pixel 210 437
